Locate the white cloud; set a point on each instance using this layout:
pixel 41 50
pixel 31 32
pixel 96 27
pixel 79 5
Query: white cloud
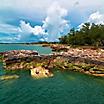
pixel 54 23
pixel 26 28
pixel 36 9
pixel 25 5
pixel 53 26
pixel 80 26
pixel 8 33
pixel 8 29
pixel 38 30
pixel 26 31
pixel 96 18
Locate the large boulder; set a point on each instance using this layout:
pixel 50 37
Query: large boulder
pixel 40 72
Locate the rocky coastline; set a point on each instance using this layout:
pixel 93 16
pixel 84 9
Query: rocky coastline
pixel 86 60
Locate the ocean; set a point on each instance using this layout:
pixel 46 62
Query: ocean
pixel 63 88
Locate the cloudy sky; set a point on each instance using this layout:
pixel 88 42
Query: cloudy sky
pixel 45 20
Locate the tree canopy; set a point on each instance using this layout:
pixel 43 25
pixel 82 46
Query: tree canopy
pixel 88 34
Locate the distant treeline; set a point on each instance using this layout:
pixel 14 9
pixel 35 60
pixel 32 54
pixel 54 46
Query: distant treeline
pixel 88 34
pixel 30 43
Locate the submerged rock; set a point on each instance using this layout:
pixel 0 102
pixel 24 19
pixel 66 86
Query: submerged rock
pixel 7 77
pixel 40 72
pixel 98 75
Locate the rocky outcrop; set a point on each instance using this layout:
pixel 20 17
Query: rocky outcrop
pixel 88 53
pixel 40 72
pixel 91 69
pixel 57 47
pixel 16 54
pixel 24 59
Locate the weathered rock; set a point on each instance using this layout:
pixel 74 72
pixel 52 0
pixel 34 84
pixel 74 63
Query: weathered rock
pixel 16 54
pixel 58 48
pixel 40 72
pixel 63 60
pixel 7 77
pixel 98 75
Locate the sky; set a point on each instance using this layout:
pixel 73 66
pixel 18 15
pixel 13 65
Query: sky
pixel 45 20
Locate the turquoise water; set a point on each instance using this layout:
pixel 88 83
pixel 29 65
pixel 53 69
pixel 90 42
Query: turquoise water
pixel 63 88
pixel 41 50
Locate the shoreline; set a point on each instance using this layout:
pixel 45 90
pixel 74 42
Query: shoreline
pixel 63 58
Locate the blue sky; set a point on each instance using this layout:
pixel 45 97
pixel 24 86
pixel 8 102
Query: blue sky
pixel 45 20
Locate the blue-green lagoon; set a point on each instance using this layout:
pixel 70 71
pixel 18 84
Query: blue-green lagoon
pixel 63 88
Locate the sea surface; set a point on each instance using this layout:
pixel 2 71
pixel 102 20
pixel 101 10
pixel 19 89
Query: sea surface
pixel 63 88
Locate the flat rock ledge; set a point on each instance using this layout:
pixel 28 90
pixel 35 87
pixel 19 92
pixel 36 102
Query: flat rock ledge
pixel 41 65
pixel 7 77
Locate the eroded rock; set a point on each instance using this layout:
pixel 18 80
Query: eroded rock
pixel 40 72
pixel 7 77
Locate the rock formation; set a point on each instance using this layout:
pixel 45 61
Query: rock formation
pixel 40 64
pixel 40 72
pixel 7 77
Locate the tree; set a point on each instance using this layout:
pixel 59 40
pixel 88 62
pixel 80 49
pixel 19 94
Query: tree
pixel 89 34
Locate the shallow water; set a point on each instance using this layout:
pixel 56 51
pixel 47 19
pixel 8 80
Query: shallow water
pixel 38 48
pixel 63 88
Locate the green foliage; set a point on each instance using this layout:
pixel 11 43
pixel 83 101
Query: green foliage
pixel 89 34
